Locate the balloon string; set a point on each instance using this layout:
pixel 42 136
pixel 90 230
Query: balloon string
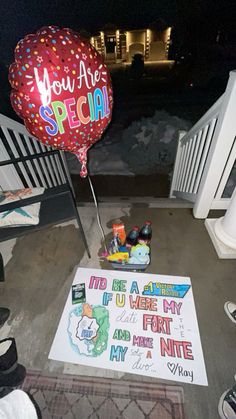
pixel 98 215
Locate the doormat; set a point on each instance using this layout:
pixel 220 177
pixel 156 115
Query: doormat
pixel 131 322
pixel 73 397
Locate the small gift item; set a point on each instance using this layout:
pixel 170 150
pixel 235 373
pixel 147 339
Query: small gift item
pixel 139 255
pixel 145 234
pixel 119 231
pixel 114 245
pixel 120 257
pixel 132 238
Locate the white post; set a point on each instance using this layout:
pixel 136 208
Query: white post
pixel 176 166
pixel 225 227
pixel 222 142
pixel 223 231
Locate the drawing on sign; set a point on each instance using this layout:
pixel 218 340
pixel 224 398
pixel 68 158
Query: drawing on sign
pixel 166 290
pixel 88 329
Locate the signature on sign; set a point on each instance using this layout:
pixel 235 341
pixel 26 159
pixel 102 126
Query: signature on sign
pixel 176 369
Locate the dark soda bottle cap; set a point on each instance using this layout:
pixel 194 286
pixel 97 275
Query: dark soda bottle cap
pixel 136 228
pixel 148 222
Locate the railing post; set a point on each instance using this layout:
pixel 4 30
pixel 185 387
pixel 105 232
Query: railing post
pixel 176 166
pixel 222 142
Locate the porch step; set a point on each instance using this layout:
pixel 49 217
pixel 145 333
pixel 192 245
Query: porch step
pixel 143 201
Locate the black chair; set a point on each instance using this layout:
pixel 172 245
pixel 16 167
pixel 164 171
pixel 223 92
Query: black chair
pixel 58 203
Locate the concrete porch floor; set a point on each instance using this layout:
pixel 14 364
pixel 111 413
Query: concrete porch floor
pixel 39 271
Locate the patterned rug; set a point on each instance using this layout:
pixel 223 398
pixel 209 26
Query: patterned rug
pixel 73 397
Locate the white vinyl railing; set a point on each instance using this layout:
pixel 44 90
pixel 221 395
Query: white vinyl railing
pixel 206 154
pixel 41 171
pixel 191 155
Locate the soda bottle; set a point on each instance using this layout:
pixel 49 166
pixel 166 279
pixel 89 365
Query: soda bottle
pixel 145 234
pixel 132 238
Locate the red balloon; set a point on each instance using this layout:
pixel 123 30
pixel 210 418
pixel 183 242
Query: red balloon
pixel 62 90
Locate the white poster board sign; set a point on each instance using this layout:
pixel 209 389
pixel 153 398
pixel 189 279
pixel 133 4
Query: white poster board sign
pixel 133 322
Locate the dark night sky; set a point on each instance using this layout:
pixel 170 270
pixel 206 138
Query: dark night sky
pixel 20 17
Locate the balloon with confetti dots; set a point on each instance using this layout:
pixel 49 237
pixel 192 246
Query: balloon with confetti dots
pixel 62 90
